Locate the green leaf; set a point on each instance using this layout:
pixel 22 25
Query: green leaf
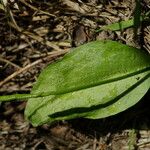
pixel 93 102
pixel 130 99
pixel 119 26
pixel 120 103
pixel 95 80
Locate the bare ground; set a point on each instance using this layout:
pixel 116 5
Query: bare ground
pixel 36 33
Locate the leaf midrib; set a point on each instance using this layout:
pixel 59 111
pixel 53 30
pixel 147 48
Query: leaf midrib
pixel 34 95
pixel 97 84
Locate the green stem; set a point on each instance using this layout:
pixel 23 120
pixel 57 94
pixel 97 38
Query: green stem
pixel 20 97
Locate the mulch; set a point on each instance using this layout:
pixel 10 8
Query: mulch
pixel 35 34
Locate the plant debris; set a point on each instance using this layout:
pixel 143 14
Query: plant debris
pixel 36 33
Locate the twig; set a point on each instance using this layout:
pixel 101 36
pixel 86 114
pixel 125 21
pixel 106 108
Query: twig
pixel 8 62
pixel 31 35
pixel 36 9
pixel 35 37
pixel 58 53
pixel 144 143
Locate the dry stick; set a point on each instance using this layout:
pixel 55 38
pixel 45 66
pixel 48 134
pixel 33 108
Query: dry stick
pixel 19 71
pixel 22 46
pixel 8 62
pixel 144 143
pixel 35 37
pixel 31 35
pixel 58 53
pixel 36 9
pixel 41 40
pixel 41 55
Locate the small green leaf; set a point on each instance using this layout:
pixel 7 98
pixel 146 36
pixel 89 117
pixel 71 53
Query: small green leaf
pixel 95 80
pixel 119 26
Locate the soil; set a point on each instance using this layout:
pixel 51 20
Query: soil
pixel 35 34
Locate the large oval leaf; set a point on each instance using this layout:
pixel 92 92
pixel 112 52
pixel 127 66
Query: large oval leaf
pixel 89 77
pixel 94 102
pixel 120 103
pixel 89 65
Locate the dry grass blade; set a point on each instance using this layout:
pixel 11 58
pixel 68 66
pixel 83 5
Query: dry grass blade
pixel 36 9
pixel 144 143
pixel 29 34
pixel 41 40
pixel 8 62
pixel 13 21
pixel 56 54
pixel 35 37
pixel 4 2
pixel 74 6
pixel 38 32
pixel 2 7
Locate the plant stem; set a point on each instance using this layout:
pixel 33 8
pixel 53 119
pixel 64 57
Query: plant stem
pixel 20 97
